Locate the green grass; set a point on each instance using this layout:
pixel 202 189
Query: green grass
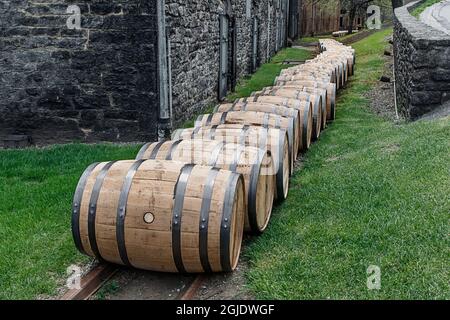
pixel 307 40
pixel 422 7
pixel 371 192
pixel 36 190
pixel 266 74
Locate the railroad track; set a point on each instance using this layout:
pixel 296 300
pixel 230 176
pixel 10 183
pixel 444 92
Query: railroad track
pixel 96 278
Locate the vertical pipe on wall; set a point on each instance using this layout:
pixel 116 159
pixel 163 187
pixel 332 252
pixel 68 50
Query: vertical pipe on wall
pixel 164 119
pixel 269 16
pixel 169 71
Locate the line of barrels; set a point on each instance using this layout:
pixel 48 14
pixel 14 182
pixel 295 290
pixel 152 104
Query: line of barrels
pixel 183 205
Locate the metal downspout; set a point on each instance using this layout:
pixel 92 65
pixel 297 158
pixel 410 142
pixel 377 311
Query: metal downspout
pixel 164 118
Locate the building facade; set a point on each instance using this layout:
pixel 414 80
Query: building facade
pixel 324 17
pixel 119 70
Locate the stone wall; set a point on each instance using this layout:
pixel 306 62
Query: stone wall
pixel 194 38
pixel 101 83
pixel 92 84
pixel 422 56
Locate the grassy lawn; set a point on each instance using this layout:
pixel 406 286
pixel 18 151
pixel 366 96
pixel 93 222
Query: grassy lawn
pixel 421 8
pixel 370 193
pixel 308 40
pixel 266 74
pixel 36 190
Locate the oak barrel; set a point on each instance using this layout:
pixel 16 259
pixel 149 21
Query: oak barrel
pixel 275 140
pixel 253 118
pixel 340 63
pixel 301 99
pixel 303 114
pixel 329 87
pixel 319 116
pixel 322 71
pixel 255 165
pixel 293 92
pixel 160 215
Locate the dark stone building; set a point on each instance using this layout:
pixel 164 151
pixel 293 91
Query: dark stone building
pixel 97 83
pixel 422 64
pixel 132 65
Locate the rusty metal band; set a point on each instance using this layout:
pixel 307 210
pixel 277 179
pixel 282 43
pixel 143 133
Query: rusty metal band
pixel 142 151
pixel 252 192
pixel 122 211
pixel 290 132
pixel 223 118
pixel 212 132
pixel 173 147
pixel 225 226
pixel 177 212
pixel 199 121
pixel 209 119
pixel 204 218
pixel 93 208
pixel 280 169
pixel 305 126
pixel 155 150
pixel 76 206
pixel 195 131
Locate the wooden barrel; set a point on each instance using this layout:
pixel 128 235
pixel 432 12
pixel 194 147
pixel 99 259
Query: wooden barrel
pixel 331 76
pixel 253 118
pixel 336 70
pixel 325 66
pixel 301 77
pixel 316 68
pixel 292 92
pixel 302 116
pixel 342 52
pixel 347 60
pixel 160 215
pixel 255 165
pixel 301 98
pixel 274 140
pixel 329 87
pixel 340 63
pixel 336 62
pixel 337 48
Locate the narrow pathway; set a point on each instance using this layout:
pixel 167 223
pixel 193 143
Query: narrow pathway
pixel 438 16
